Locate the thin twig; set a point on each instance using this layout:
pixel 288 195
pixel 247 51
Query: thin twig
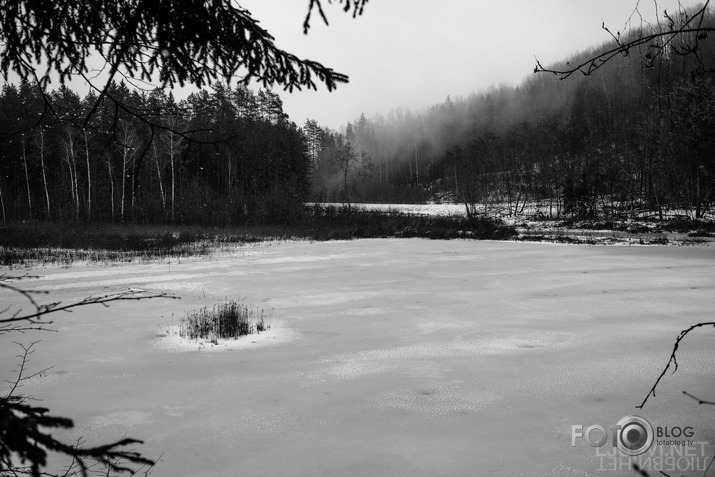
pixel 673 360
pixel 700 401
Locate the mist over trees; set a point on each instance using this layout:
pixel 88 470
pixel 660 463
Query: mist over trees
pixel 224 156
pixel 636 134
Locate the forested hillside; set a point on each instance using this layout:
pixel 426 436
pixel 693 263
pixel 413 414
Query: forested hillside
pixel 637 134
pixel 228 156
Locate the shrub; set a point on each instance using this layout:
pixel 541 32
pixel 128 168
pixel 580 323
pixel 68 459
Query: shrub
pixel 224 321
pixel 330 223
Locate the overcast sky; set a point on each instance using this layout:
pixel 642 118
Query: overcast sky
pixel 413 53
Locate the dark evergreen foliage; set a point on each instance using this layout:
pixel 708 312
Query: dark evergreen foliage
pixel 25 437
pixel 183 42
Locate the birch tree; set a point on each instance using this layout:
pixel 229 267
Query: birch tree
pixel 70 157
pixel 85 135
pixel 127 149
pixel 175 143
pixel 27 176
pixel 40 141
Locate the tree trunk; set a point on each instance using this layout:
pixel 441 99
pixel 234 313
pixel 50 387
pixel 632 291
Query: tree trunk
pixel 508 192
pixel 124 181
pixel 158 173
pixel 173 145
pixel 70 158
pixel 89 176
pixel 76 190
pixel 698 207
pixel 44 175
pixel 134 194
pixel 111 184
pixel 27 180
pixel 2 203
pixel 71 182
pixel 173 185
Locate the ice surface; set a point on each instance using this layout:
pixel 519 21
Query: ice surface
pixel 386 357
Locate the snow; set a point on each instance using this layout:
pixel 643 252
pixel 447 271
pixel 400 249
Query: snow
pixel 385 357
pixel 432 209
pixel 168 339
pixel 501 209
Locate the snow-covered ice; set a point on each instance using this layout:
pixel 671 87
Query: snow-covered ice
pixel 385 357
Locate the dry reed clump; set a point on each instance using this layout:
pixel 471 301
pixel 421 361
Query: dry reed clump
pixel 224 321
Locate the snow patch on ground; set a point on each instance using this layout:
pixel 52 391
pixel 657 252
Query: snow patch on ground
pixel 172 342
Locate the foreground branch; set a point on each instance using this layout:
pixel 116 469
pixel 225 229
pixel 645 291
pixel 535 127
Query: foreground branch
pixel 25 439
pixel 700 401
pixel 32 321
pixel 657 42
pixel 357 7
pixel 673 360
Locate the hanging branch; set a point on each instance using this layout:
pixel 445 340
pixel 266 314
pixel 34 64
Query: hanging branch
pixel 357 7
pixel 25 429
pixel 174 43
pixel 26 438
pixel 673 360
pixel 700 401
pixel 177 43
pixel 19 321
pixel 657 42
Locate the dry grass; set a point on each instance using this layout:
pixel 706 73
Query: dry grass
pixel 224 321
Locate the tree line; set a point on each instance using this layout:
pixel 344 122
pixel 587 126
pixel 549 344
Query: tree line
pixel 637 134
pixel 224 156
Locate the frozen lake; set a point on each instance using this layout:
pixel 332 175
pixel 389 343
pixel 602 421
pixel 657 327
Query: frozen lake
pixel 387 357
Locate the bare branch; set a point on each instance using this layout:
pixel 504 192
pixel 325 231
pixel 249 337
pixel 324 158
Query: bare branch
pixel 24 358
pixel 657 41
pixel 31 321
pixel 25 428
pixel 673 360
pixel 357 7
pixel 700 401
